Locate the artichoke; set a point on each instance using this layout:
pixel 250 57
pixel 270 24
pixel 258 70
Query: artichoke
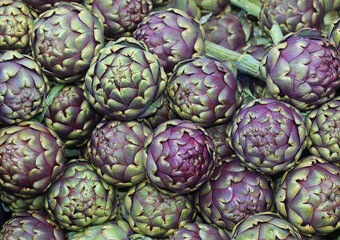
pixel 125 81
pixel 23 88
pixel 309 196
pixel 116 151
pixel 323 131
pixel 205 91
pixel 16 20
pixel 30 226
pixel 80 198
pixel 64 40
pixel 119 17
pixel 266 225
pixel 71 116
pixel 172 35
pixel 31 158
pixel 119 230
pixel 154 214
pixel 268 135
pixel 179 157
pixel 199 231
pixel 214 6
pixel 188 6
pixel 303 69
pixel 44 5
pixel 232 193
pixel 334 33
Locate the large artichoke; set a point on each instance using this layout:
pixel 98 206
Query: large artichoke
pixel 16 20
pixel 309 196
pixel 172 35
pixel 205 91
pixel 65 39
pixel 180 157
pixel 125 81
pixel 31 158
pixel 116 151
pixel 268 135
pixel 80 198
pixel 232 193
pixel 71 116
pixel 23 88
pixel 154 214
pixel 120 17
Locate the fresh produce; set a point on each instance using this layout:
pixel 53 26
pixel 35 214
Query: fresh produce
pixel 44 5
pixel 212 6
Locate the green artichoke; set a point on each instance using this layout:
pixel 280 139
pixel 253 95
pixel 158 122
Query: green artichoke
pixel 125 81
pixel 266 225
pixel 119 230
pixel 205 91
pixel 31 158
pixel 64 40
pixel 214 6
pixel 154 214
pixel 31 226
pixel 232 193
pixel 120 17
pixel 16 20
pixel 80 198
pixel 23 88
pixel 44 5
pixel 116 151
pixel 323 131
pixel 268 135
pixel 334 32
pixel 188 6
pixel 303 69
pixel 309 196
pixel 179 157
pixel 71 116
pixel 172 35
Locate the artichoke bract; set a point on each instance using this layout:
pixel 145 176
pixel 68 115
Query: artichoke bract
pixel 44 5
pixel 309 196
pixel 268 135
pixel 120 17
pixel 303 69
pixel 232 193
pixel 125 81
pixel 16 20
pixel 204 90
pixel 80 198
pixel 266 225
pixel 31 158
pixel 199 231
pixel 64 40
pixel 23 88
pixel 71 116
pixel 154 214
pixel 179 157
pixel 116 151
pixel 171 35
pixel 323 131
pixel 30 226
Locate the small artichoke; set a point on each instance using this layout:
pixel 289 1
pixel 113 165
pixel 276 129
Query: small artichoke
pixel 16 20
pixel 31 158
pixel 80 198
pixel 232 193
pixel 154 214
pixel 23 88
pixel 120 17
pixel 309 196
pixel 179 157
pixel 64 40
pixel 268 135
pixel 71 116
pixel 116 151
pixel 171 35
pixel 125 81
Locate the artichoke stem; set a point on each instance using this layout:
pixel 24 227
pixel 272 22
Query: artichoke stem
pixel 276 33
pixel 244 62
pixel 250 7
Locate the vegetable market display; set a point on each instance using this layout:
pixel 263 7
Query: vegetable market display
pixel 170 119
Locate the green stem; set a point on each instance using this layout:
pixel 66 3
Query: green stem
pixel 244 62
pixel 276 33
pixel 250 7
